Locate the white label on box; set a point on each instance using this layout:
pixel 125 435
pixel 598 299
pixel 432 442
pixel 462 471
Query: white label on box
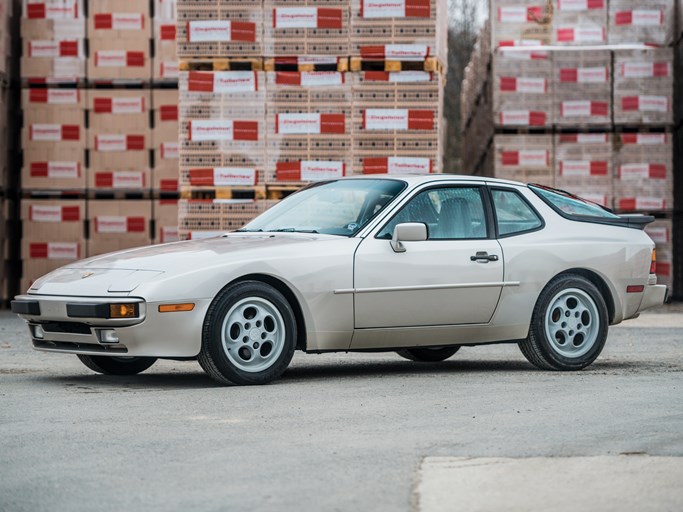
pixel 514 117
pixel 127 21
pixel 634 171
pixel 533 158
pixel 407 52
pixel 591 138
pixel 650 203
pixel 170 150
pixel 642 69
pixel 531 85
pixel 409 76
pixel 317 171
pixel 210 129
pixel 596 75
pixel 233 176
pixel 111 224
pixel 579 108
pixel 299 123
pixel 384 8
pixel 321 78
pixel 49 49
pixel 46 213
pixel 128 105
pixel 111 59
pixel 59 11
pixel 208 31
pixel 650 138
pixel 46 132
pixel 235 81
pixel 62 97
pixel 408 165
pixel 62 251
pixel 296 17
pixel 385 119
pixel 169 234
pixel 110 142
pixel 169 69
pixel 658 234
pixel 575 168
pixel 646 17
pixel 316 59
pixel 589 34
pixel 513 14
pixel 128 179
pixel 578 5
pixel 653 103
pixel 63 170
pixel 523 55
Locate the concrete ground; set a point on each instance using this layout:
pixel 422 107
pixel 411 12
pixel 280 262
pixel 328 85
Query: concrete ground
pixel 346 432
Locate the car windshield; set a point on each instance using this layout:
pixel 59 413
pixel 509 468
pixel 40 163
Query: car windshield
pixel 341 207
pixel 570 204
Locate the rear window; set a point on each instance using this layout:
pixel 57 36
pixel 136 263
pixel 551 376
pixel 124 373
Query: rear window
pixel 570 205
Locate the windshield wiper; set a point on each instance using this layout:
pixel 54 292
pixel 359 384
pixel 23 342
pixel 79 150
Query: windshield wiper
pixel 292 230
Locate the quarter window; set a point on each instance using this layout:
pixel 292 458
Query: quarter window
pixel 455 213
pixel 513 214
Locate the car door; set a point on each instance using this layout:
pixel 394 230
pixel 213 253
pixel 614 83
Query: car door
pixel 454 277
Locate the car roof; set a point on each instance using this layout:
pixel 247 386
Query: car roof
pixel 417 179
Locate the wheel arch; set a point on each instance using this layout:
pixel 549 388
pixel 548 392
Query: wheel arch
pixel 600 283
pixel 289 294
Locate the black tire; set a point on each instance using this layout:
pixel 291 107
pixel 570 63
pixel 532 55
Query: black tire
pixel 227 366
pixel 428 355
pixel 111 365
pixel 548 354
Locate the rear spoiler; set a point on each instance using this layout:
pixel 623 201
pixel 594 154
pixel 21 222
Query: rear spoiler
pixel 634 221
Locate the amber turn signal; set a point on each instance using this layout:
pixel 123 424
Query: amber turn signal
pixel 172 308
pixel 653 264
pixel 123 311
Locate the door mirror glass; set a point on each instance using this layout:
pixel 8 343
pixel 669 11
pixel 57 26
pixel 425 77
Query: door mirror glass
pixel 408 232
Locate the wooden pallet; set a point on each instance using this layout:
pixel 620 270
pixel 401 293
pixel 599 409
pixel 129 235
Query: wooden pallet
pixel 430 64
pixel 256 192
pixel 210 64
pixel 293 64
pixel 277 191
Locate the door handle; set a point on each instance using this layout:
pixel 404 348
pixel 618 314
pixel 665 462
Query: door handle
pixel 484 257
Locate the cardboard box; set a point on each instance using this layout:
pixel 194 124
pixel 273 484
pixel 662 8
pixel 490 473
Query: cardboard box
pixel 52 9
pixel 165 65
pixel 635 21
pixel 119 60
pixel 165 221
pixel 520 23
pixel 165 105
pixel 53 168
pixel 118 224
pixel 166 179
pixel 119 112
pixel 53 106
pixel 578 22
pixel 119 19
pixel 124 160
pixel 53 50
pixel 53 135
pixel 53 220
pixel 525 158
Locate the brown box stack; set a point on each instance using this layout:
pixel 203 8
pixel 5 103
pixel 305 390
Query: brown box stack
pixel 165 61
pixel 53 139
pixel 119 139
pixel 222 128
pixel 308 126
pixel 582 88
pixel 520 23
pixel 525 158
pixel 643 86
pixel 119 35
pixel 53 235
pixel 165 140
pixel 53 42
pixel 643 172
pixel 583 165
pixel 118 224
pixel 396 122
pixel 635 21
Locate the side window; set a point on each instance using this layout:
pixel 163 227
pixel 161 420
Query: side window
pixel 454 213
pixel 513 214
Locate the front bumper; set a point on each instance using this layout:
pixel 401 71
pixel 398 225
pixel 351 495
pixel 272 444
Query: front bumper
pixel 151 334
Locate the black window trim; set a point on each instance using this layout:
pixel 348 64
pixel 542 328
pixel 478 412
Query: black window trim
pixel 490 189
pixel 486 203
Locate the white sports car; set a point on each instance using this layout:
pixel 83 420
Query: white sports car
pixel 418 265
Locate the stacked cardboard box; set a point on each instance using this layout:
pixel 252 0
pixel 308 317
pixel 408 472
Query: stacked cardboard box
pixel 53 42
pixel 520 23
pixel 526 158
pixel 635 21
pixel 165 61
pixel 118 224
pixel 119 37
pixel 579 22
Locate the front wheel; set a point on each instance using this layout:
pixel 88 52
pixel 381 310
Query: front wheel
pixel 249 335
pixel 112 365
pixel 428 355
pixel 568 327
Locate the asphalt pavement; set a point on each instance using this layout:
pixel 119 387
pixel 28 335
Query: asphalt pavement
pixel 339 432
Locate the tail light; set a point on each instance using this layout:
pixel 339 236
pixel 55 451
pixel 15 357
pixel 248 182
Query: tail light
pixel 653 263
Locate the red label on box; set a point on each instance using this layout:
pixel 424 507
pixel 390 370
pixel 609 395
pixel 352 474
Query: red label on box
pixel 522 118
pixel 54 132
pixel 168 112
pixel 397 165
pixel 119 105
pixel 54 213
pixel 167 32
pixel 526 158
pixel 403 52
pixel 222 81
pixel 309 170
pixel 120 224
pixel 56 170
pixel 223 177
pixel 116 142
pixel 220 31
pixel 583 168
pixel 55 96
pixel 293 124
pixel 395 9
pixel 120 179
pixel 119 21
pixel 55 250
pixel 222 129
pixel 309 78
pixel 307 17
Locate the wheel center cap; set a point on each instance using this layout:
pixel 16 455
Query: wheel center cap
pixel 254 334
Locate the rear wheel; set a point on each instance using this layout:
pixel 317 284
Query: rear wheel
pixel 568 327
pixel 428 355
pixel 111 365
pixel 249 335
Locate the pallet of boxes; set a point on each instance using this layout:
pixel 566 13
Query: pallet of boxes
pixel 6 200
pixel 100 130
pixel 582 97
pixel 278 94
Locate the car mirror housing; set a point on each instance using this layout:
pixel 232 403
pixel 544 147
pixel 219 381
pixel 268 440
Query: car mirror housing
pixel 408 232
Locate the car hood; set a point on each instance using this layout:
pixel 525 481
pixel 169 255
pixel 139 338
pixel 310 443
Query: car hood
pixel 123 271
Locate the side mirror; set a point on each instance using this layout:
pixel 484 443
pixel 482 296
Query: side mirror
pixel 408 232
